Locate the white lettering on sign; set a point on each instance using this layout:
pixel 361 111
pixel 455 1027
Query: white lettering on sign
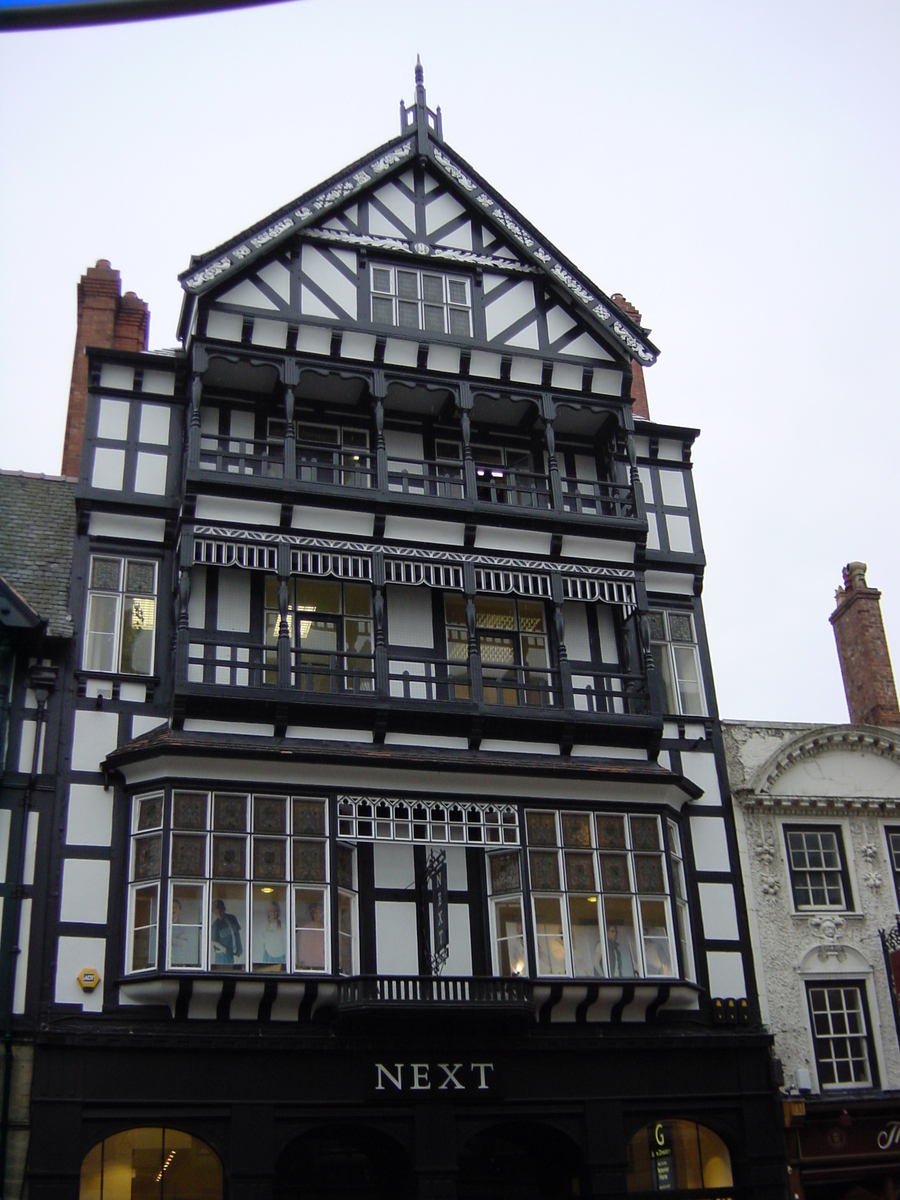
pixel 890 1136
pixel 418 1078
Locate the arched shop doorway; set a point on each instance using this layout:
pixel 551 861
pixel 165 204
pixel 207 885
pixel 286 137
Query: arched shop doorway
pixel 521 1162
pixel 342 1164
pixel 672 1155
pixel 151 1163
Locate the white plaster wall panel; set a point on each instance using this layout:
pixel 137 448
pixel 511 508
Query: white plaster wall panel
pixel 94 737
pixel 195 725
pixel 439 209
pixel 646 479
pixel 398 203
pixel 5 816
pixel 409 616
pixel 27 732
pixel 141 725
pixel 123 525
pixel 457 239
pixel 312 306
pixel 85 891
pixel 112 419
pixel 526 370
pixel 30 856
pixel 607 383
pixel 701 769
pixel 430 182
pixel 89 815
pixel 317 264
pixel 197 602
pixel 209 427
pixel 443 358
pixel 398 352
pixel 317 733
pixel 670 449
pixel 109 469
pixel 153 428
pixel 710 845
pixel 160 383
pixel 21 967
pixel 719 912
pixel 567 376
pixel 195 669
pixel 597 549
pixel 332 520
pixel 652 532
pixel 408 680
pixel 247 295
pixel 525 339
pixel 359 346
pixel 502 746
pixel 669 581
pixel 313 339
pixel 672 483
pixel 457 871
pixel 396 939
pixel 227 327
pixel 150 474
pixel 433 740
pixel 609 650
pixel 679 530
pixel 558 323
pixel 586 469
pixel 584 346
pixel 278 277
pixel 394 865
pixel 505 252
pixel 840 772
pixel 269 333
pixel 117 375
pixel 245 1002
pixel 205 996
pixel 98 687
pixel 459 960
pixel 487 237
pixel 517 541
pixel 641 445
pixel 726 974
pixel 135 693
pixel 694 731
pixel 243 512
pixel 73 954
pixel 233 614
pixel 231 674
pixel 485 365
pixel 409 529
pixel 501 311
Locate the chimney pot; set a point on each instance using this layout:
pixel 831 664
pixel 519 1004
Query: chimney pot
pixel 863 651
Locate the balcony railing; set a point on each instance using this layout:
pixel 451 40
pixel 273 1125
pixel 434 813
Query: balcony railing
pixel 300 675
pixel 422 991
pixel 298 464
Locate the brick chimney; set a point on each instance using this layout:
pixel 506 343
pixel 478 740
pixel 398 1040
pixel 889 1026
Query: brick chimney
pixel 639 405
pixel 108 320
pixel 863 651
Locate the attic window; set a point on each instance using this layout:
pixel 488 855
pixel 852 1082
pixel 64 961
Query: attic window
pixel 422 300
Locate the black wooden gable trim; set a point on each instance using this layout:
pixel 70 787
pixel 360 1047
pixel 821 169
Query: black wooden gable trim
pixel 394 158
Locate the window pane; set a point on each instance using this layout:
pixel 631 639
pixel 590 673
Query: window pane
pixel 140 577
pixel 269 929
pixel 657 950
pixel 457 291
pixel 381 280
pixel 407 285
pixel 580 872
pixel 614 873
pixel 576 829
pixel 230 813
pixel 505 873
pixel 185 936
pixel 587 949
pixel 309 862
pixel 621 941
pixel 409 314
pixel 143 944
pixel 189 810
pixel 433 289
pixel 687 666
pixel 541 828
pixel 138 620
pixel 309 817
pixel 544 869
pixel 645 833
pixel 269 814
pixel 149 812
pixel 347 933
pixel 382 311
pixel 147 856
pixel 229 857
pixel 188 855
pixel 434 319
pixel 611 833
pixel 269 858
pixel 510 939
pixel 309 929
pixel 460 323
pixel 551 948
pixel 228 918
pixel 648 873
pixel 100 649
pixel 318 595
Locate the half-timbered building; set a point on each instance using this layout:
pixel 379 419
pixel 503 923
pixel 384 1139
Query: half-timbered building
pixel 391 857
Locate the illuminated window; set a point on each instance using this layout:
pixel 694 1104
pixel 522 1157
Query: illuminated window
pixel 669 1155
pixel 164 1163
pixel 512 642
pixel 121 616
pixel 425 300
pixel 332 634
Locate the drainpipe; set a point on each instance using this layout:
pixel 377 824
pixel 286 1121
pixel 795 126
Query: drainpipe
pixel 42 681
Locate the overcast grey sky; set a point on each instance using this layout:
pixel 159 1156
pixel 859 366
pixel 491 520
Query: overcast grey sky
pixel 732 169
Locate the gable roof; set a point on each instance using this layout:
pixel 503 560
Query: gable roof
pixel 521 248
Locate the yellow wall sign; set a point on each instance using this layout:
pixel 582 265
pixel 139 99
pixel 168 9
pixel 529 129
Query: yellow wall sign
pixel 88 977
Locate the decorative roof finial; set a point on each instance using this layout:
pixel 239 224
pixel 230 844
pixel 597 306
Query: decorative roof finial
pixel 420 82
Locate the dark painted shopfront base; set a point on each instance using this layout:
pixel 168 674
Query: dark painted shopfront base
pixel 411 1115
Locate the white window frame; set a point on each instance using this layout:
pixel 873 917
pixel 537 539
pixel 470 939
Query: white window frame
pixel 796 873
pixel 96 597
pixel 672 680
pixel 402 305
pixel 832 1040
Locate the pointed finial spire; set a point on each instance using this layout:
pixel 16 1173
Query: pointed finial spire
pixel 420 82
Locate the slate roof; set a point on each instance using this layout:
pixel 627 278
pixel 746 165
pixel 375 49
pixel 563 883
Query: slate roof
pixel 37 533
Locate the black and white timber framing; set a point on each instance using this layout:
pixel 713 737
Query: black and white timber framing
pixel 379 563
